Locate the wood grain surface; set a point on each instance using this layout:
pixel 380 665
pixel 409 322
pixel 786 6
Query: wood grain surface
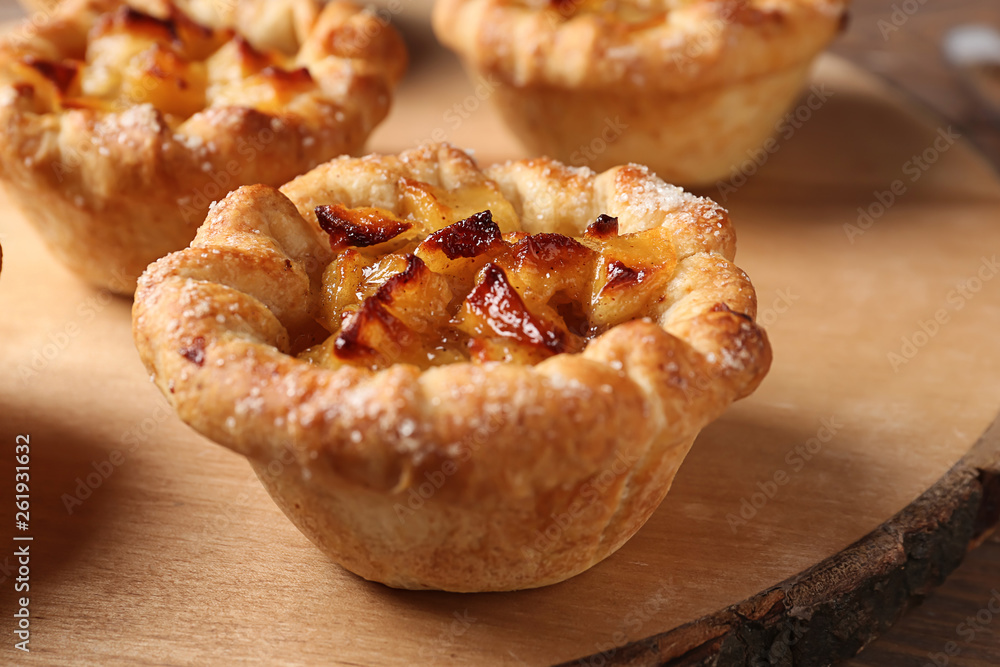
pixel 911 58
pixel 178 557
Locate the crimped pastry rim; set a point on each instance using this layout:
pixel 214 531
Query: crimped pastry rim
pixel 185 321
pixel 700 45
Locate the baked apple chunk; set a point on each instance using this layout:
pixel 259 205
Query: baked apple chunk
pixel 467 291
pixel 517 332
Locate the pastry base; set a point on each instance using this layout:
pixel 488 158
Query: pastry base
pixel 411 541
pixel 108 248
pixel 692 139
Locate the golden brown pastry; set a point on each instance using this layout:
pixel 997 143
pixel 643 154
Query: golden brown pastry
pixel 687 87
pixel 511 364
pixel 119 128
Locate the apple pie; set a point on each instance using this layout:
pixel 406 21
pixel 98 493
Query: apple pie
pixel 687 87
pixel 122 122
pixel 451 377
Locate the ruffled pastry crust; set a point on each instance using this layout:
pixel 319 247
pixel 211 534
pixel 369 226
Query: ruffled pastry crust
pixel 675 45
pixel 686 87
pixel 116 161
pixel 453 477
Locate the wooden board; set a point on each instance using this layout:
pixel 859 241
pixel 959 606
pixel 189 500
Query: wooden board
pixel 152 545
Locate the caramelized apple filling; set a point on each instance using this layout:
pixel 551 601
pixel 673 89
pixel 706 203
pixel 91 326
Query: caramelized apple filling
pixel 421 291
pixel 172 63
